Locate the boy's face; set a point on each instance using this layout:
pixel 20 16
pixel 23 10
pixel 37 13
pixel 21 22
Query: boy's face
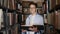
pixel 32 9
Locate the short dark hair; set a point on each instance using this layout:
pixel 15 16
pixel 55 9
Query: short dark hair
pixel 32 3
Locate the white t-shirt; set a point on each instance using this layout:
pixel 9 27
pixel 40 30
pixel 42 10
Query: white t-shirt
pixel 34 20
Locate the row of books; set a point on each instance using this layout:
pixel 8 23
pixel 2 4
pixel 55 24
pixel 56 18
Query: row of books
pixel 54 18
pixel 53 3
pixel 8 4
pixel 11 4
pixel 10 31
pixel 11 19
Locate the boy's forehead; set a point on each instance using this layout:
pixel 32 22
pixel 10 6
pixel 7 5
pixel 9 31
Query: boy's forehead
pixel 32 5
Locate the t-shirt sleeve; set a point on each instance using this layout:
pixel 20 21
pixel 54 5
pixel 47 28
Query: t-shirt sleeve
pixel 27 21
pixel 41 21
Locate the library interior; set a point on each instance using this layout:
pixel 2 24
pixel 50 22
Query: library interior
pixel 29 17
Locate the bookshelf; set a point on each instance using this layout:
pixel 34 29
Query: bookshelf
pixel 12 10
pixel 53 16
pixel 15 13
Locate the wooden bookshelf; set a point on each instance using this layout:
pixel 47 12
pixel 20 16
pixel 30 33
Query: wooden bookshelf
pixel 54 18
pixel 11 16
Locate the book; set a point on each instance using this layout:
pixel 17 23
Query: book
pixel 1 2
pixel 16 18
pixel 54 18
pixel 57 18
pixel 52 3
pixel 14 30
pixel 12 4
pixel 24 19
pixel 11 18
pixel 1 18
pixel 5 3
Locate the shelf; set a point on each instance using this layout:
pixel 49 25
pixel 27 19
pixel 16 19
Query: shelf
pixel 11 7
